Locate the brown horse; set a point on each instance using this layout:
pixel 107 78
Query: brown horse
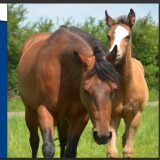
pixel 60 79
pixel 97 47
pixel 132 95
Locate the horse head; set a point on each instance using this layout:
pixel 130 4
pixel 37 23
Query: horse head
pixel 98 86
pixel 120 33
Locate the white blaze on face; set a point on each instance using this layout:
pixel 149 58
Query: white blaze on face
pixel 120 33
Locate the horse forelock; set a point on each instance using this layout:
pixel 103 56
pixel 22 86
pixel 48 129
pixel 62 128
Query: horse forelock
pixel 105 70
pixel 121 19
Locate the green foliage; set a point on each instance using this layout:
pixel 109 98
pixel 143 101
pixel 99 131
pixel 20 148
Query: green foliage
pixel 145 48
pixel 43 25
pixel 98 29
pixel 15 103
pixel 15 18
pixel 144 38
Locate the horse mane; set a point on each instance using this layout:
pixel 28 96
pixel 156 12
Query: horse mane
pixel 96 44
pixel 105 70
pixel 121 19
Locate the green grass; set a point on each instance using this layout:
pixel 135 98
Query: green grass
pixel 145 145
pixel 18 139
pixel 15 104
pixel 153 95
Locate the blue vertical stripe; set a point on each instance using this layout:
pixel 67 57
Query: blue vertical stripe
pixel 3 89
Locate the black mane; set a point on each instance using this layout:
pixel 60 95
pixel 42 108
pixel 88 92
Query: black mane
pixel 96 44
pixel 105 70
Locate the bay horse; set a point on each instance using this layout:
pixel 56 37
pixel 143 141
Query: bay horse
pixel 60 79
pixel 97 47
pixel 132 96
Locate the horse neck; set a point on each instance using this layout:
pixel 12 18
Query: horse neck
pixel 125 66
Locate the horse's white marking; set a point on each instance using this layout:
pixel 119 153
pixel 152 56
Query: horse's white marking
pixel 120 33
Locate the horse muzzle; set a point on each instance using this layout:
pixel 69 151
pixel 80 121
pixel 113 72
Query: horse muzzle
pixel 101 139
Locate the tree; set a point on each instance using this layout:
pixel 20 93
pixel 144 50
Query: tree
pixel 145 48
pixel 16 15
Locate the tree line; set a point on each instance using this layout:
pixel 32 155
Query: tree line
pixel 144 40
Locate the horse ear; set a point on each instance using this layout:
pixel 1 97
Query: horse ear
pixel 131 18
pixel 109 21
pixel 77 57
pixel 86 61
pixel 111 57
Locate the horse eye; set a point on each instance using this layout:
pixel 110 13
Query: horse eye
pixel 85 91
pixel 112 95
pixel 128 37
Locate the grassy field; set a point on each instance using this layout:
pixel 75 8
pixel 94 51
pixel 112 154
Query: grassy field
pixel 145 145
pixel 153 95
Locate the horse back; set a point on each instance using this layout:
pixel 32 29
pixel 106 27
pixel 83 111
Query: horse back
pixel 34 39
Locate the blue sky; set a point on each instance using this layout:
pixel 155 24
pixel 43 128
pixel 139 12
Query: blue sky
pixel 79 12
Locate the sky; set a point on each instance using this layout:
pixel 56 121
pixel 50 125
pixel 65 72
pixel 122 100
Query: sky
pixel 80 12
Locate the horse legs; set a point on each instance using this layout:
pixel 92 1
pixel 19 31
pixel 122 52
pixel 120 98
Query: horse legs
pixel 132 123
pixel 32 124
pixel 76 128
pixel 46 124
pixel 112 150
pixel 62 127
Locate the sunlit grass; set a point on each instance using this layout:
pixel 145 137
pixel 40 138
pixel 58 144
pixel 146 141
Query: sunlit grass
pixel 145 145
pixel 15 104
pixel 153 95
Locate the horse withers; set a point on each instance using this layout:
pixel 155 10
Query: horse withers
pixel 60 79
pixel 132 95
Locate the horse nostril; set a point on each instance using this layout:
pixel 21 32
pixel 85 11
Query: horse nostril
pixel 95 134
pixel 101 139
pixel 109 135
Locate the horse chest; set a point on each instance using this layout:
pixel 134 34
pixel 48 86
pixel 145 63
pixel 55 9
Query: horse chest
pixel 126 102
